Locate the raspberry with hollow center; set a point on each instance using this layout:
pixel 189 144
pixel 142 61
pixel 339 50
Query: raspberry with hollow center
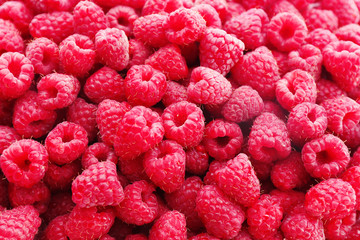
pixel 122 18
pixel 60 177
pixel 98 152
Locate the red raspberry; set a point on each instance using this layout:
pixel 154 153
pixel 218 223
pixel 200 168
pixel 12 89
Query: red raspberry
pixel 288 199
pixel 205 236
pixel 350 32
pixel 112 48
pixel 338 229
pixel 16 75
pixel 249 27
pixel 306 121
pixel 354 232
pixel 221 217
pixel 146 80
pixel 22 222
pixel 122 18
pixel 31 120
pixel 10 38
pixel 44 55
pixel 161 6
pixel 269 139
pixel 352 176
pixel 138 131
pixel 209 14
pixel 55 26
pixel 138 52
pixel 259 70
pixel 8 136
pixel 24 162
pixel 345 10
pixel 219 50
pixel 355 159
pixel 77 55
pixel 98 152
pixel 207 86
pixel 184 122
pixel 140 205
pixel 171 225
pixel 120 229
pixel 327 89
pixel 66 142
pixel 275 108
pixel 60 204
pixel 219 5
pixel 175 92
pixel 89 18
pixel 131 3
pixel 281 60
pixel 331 198
pixel 55 230
pixel 18 13
pixel 211 174
pixel 320 18
pixel 51 5
pixel 133 169
pixel 282 6
pixel 136 237
pixel 169 61
pixel 6 112
pixel 264 217
pixel 38 196
pixel 320 38
pixel 60 177
pixel 197 160
pixel 286 31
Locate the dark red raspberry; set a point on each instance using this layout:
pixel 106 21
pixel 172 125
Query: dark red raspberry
pixel 288 199
pixel 11 40
pixel 136 237
pixel 8 136
pixel 55 26
pixel 327 89
pixel 146 80
pixel 338 229
pixel 352 176
pixel 184 122
pixel 320 38
pixel 219 5
pixel 138 52
pixel 269 139
pixel 98 152
pixel 275 108
pixel 219 50
pixel 205 236
pixel 18 13
pixel 6 112
pixel 175 92
pixel 355 159
pixel 345 10
pixel 21 222
pixel 221 217
pixel 286 31
pixel 55 230
pixel 77 55
pixel 321 18
pixel 122 18
pixel 281 6
pixel 171 225
pixel 16 75
pixel 24 162
pixel 60 177
pixel 350 32
pixel 140 204
pixel 259 70
pixel 60 204
pixel 161 6
pixel 138 131
pixel 66 142
pixel 211 174
pixel 197 160
pixel 209 14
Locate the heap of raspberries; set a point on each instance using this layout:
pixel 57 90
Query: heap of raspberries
pixel 180 120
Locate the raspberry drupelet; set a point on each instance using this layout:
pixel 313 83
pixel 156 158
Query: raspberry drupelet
pixel 122 18
pixel 171 225
pixel 98 152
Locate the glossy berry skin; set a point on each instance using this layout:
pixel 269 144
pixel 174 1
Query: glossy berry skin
pixel 171 225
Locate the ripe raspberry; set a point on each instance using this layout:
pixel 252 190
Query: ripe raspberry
pixel 171 225
pixel 352 176
pixel 221 217
pixel 161 6
pixel 197 160
pixel 60 204
pixel 175 92
pixel 168 60
pixel 21 222
pixel 259 70
pixel 269 139
pixel 138 131
pixel 77 55
pixel 66 142
pixel 209 14
pixel 211 175
pixel 331 198
pixel 219 50
pixel 350 32
pixel 98 152
pixel 31 120
pixel 10 38
pixel 146 80
pixel 282 6
pixel 345 10
pixel 55 230
pixel 60 177
pixel 24 162
pixel 184 122
pixel 338 229
pixel 55 26
pixel 139 205
pixel 355 159
pixel 136 237
pixel 130 3
pixel 122 18
pixel 51 5
pixel 286 31
pixel 320 38
pixel 89 18
pixel 205 236
pixel 138 52
pixel 249 27
pixel 219 5
pixel 6 112
pixel 327 89
pixel 321 18
pixel 275 108
pixel 354 232
pixel 288 199
pixel 18 13
pixel 8 136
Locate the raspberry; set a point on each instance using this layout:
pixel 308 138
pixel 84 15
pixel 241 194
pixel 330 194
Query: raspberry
pixel 197 160
pixel 16 74
pixel 136 237
pixel 327 89
pixel 98 152
pixel 249 27
pixel 331 198
pixel 171 225
pixel 219 50
pixel 60 204
pixel 286 31
pixel 243 235
pixel 169 61
pixel 138 52
pixel 175 92
pixel 306 121
pixel 350 32
pixel 259 70
pixel 60 177
pixel 274 107
pixel 138 131
pixel 18 13
pixel 221 217
pixel 77 55
pixel 219 5
pixel 354 232
pixel 320 18
pixel 352 176
pixel 31 120
pixel 21 222
pixel 8 136
pixel 147 80
pixel 89 18
pixel 161 7
pixel 6 112
pixel 204 236
pixel 184 122
pixel 24 162
pixel 56 228
pixel 320 38
pixel 10 38
pixel 345 10
pixel 211 175
pixel 51 5
pixel 55 26
pixel 288 199
pixel 280 7
pixel 207 86
pixel 131 3
pixel 269 139
pixel 209 14
pixel 112 48
pixel 122 18
pixel 44 55
pixel 355 159
pixel 339 228
pixel 66 142
pixel 139 205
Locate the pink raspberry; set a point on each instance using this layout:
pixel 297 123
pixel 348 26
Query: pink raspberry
pixel 112 48
pixel 56 228
pixel 6 112
pixel 338 229
pixel 147 80
pixel 171 225
pixel 221 217
pixel 60 177
pixel 98 152
pixel 140 205
pixel 122 18
pixel 51 5
pixel 350 32
pixel 184 122
pixel 219 50
pixel 66 142
pixel 205 236
pixel 331 198
pixel 281 60
pixel 197 160
pixel 161 6
pixel 352 176
pixel 269 139
pixel 219 5
pixel 320 38
pixel 282 6
pixel 113 3
pixel 60 204
pixel 355 159
pixel 327 89
pixel 136 237
pixel 8 136
pixel 175 92
pixel 10 38
pixel 288 199
pixel 24 162
pixel 320 18
pixel 138 52
pixel 275 108
pixel 209 14
pixel 18 13
pixel 345 10
pixel 286 31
